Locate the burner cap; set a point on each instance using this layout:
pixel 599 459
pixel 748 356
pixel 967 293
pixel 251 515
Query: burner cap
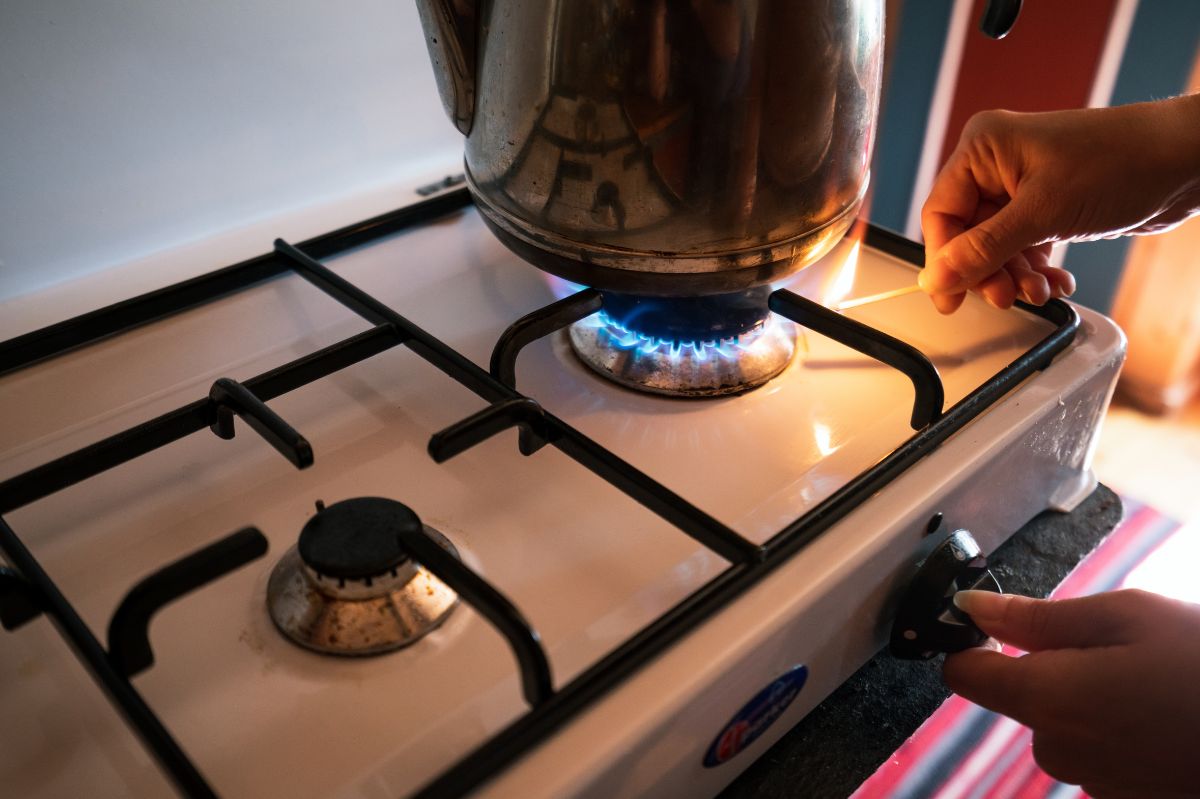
pixel 356 538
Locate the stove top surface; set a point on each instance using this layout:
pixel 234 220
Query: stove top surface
pixel 587 565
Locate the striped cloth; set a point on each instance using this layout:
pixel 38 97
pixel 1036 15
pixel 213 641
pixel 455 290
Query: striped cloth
pixel 965 752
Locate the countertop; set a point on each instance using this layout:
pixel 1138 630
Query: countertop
pixel 841 743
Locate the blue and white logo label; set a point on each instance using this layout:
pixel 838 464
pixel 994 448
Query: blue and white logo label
pixel 756 716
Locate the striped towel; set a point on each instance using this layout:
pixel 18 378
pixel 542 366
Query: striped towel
pixel 965 752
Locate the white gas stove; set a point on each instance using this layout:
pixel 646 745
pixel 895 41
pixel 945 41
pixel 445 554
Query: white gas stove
pixel 684 579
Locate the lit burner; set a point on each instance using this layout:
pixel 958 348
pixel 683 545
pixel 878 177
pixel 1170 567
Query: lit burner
pixel 688 347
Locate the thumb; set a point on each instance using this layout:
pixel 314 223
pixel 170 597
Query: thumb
pixel 1038 624
pixel 981 250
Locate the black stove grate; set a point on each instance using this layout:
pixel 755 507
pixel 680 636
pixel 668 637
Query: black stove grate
pixel 26 591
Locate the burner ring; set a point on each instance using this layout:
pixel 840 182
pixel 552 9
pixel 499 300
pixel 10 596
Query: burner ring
pixel 703 346
pixel 710 367
pixel 348 587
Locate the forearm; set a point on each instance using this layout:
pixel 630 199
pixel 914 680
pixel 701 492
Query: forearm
pixel 1177 148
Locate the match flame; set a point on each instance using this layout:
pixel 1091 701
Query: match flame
pixel 841 279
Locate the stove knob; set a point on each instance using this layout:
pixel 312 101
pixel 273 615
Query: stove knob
pixel 927 620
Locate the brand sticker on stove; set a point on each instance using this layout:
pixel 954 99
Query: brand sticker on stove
pixel 756 716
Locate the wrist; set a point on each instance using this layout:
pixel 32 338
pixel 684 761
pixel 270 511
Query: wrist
pixel 1163 140
pixel 1182 146
pixel 1191 115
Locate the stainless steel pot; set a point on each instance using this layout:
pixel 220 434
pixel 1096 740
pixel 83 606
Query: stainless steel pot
pixel 669 147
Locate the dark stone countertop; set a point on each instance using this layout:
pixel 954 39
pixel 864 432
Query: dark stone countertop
pixel 841 743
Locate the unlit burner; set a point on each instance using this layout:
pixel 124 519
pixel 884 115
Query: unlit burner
pixel 349 588
pixel 705 346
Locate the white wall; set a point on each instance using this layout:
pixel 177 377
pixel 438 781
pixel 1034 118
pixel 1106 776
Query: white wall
pixel 131 127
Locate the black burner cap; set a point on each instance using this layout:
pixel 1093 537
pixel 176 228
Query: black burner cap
pixel 356 538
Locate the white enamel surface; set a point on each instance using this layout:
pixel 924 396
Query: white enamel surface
pixel 585 564
pixel 830 607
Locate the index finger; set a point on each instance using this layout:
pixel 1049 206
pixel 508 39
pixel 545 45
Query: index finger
pixel 951 205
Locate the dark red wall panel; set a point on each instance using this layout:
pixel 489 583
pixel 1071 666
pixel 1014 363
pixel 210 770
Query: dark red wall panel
pixel 1048 61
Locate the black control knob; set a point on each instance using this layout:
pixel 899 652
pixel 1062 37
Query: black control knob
pixel 999 16
pixel 356 539
pixel 927 620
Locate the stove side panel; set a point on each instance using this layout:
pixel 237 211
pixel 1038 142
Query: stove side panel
pixel 830 608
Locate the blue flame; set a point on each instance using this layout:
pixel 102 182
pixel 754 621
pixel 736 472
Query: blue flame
pixel 623 338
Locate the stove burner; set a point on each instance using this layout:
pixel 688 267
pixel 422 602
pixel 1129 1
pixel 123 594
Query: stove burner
pixel 349 588
pixel 704 346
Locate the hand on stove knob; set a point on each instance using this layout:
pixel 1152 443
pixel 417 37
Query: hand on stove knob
pixel 1017 183
pixel 1110 687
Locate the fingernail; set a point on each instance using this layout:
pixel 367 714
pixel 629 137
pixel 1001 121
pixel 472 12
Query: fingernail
pixel 981 606
pixel 939 278
pixel 993 644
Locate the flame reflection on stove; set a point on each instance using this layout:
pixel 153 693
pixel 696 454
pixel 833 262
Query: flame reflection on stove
pixel 823 437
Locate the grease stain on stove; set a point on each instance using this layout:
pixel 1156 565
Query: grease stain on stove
pixel 252 640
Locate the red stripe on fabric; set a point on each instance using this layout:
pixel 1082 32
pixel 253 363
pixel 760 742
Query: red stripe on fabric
pixel 1152 552
pixel 1008 762
pixel 1038 786
pixel 888 777
pixel 1018 774
pixel 969 773
pixel 1133 542
pixel 1110 550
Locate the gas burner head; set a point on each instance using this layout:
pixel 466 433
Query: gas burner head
pixel 349 588
pixel 704 346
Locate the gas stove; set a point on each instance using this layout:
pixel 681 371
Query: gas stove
pixel 438 545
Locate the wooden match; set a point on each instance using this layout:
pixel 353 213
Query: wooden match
pixel 883 295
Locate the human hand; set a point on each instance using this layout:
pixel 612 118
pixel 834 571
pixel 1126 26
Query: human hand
pixel 1017 183
pixel 1111 688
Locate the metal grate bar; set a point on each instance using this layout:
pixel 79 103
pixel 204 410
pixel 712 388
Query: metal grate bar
pixel 650 493
pixel 526 644
pixel 230 398
pixel 124 696
pixel 42 481
pixel 90 328
pixel 929 396
pixel 129 647
pixel 540 323
pixel 443 357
